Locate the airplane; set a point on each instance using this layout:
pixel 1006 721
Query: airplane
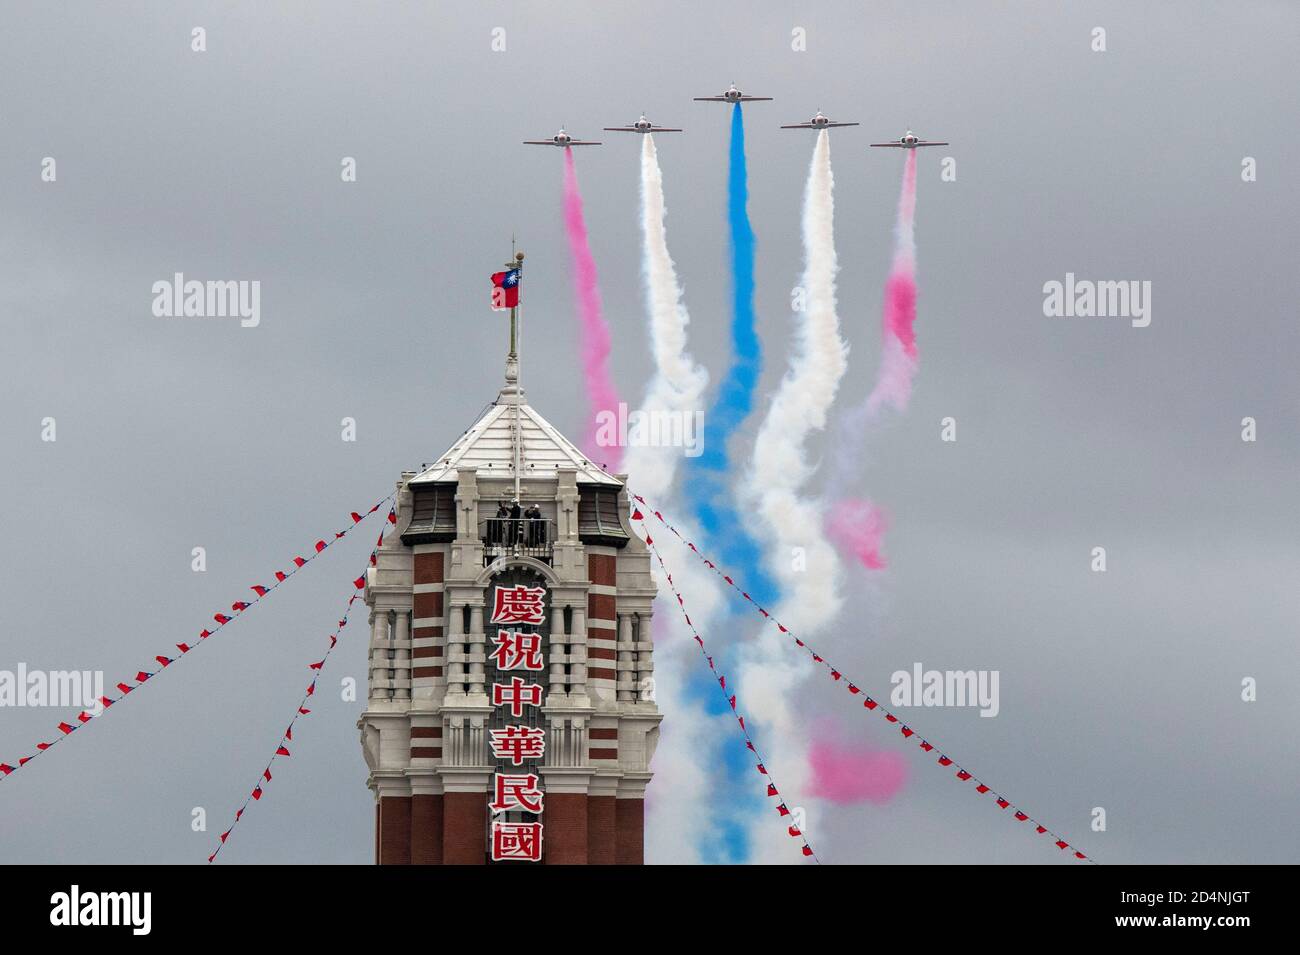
pixel 732 95
pixel 642 125
pixel 909 141
pixel 560 139
pixel 818 122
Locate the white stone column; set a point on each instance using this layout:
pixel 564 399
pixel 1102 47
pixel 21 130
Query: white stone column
pixel 456 650
pixel 626 663
pixel 402 654
pixel 379 685
pixel 475 649
pixel 578 653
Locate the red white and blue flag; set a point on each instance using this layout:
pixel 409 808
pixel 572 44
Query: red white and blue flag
pixel 505 289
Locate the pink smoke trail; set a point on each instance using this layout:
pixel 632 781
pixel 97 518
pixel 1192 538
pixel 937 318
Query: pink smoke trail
pixel 594 338
pixel 857 527
pixel 898 347
pixel 845 775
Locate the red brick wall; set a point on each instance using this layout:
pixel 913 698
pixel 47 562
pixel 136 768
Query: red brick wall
pixel 426 830
pixel 629 831
pixel 602 569
pixel 428 568
pixel 464 828
pixel 600 830
pixel 601 607
pixel 428 605
pixel 395 830
pixel 566 829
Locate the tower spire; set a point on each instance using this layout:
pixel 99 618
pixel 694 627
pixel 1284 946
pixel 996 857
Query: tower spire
pixel 512 387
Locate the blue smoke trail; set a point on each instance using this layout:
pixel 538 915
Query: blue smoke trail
pixel 710 498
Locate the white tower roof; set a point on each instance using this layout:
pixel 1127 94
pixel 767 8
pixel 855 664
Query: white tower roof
pixel 488 447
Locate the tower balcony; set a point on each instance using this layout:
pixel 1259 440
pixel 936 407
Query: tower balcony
pixel 517 537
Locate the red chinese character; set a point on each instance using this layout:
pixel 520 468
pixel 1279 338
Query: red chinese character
pixel 518 694
pixel 516 792
pixel 518 743
pixel 517 650
pixel 517 840
pixel 518 605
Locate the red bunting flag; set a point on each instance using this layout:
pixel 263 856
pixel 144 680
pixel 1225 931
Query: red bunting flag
pixel 357 518
pixel 6 768
pixel 281 751
pixel 360 582
pixel 163 660
pixel 142 676
pixel 320 546
pixel 259 590
pixel 868 702
pixel 221 618
pixel 83 717
pixel 257 792
pixel 124 688
pixel 281 576
pixel 65 728
pixel 183 647
pixel 266 774
pixel 298 561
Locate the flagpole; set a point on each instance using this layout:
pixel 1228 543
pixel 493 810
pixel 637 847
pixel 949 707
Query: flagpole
pixel 517 263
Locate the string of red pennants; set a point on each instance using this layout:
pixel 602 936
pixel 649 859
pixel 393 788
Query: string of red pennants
pixel 730 694
pixel 222 620
pixel 282 748
pixel 868 703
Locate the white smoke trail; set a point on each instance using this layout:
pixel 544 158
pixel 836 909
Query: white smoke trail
pixel 781 465
pixel 678 383
pixel 769 675
pixel 679 809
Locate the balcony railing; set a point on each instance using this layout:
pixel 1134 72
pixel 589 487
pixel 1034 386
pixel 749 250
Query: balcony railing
pixel 516 537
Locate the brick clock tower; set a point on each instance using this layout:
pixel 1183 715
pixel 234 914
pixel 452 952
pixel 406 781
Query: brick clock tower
pixel 510 713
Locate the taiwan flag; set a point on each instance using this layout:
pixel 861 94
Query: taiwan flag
pixel 505 290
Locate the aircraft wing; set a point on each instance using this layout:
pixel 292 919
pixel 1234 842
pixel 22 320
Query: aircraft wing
pixel 621 129
pixel 712 99
pixel 800 126
pixel 664 129
pixel 581 142
pixel 755 99
pixel 933 144
pixel 894 145
pixel 539 142
pixel 843 124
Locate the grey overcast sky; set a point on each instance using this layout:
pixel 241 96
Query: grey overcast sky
pixel 1119 690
